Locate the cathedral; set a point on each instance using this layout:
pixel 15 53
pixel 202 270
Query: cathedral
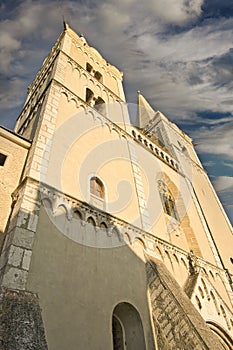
pixel 112 236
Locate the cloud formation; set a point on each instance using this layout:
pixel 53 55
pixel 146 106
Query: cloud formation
pixel 216 140
pixel 179 53
pixel 223 183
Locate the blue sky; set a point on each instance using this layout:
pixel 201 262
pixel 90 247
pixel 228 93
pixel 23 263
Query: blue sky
pixel 178 53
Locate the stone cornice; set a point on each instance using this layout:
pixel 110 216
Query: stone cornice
pixel 129 232
pixel 12 136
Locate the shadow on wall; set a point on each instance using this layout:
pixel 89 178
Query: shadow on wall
pixel 115 276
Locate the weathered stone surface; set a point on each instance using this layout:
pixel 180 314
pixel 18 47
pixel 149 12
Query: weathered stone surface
pixel 21 326
pixel 14 278
pixel 26 259
pixel 23 237
pixel 178 324
pixel 15 256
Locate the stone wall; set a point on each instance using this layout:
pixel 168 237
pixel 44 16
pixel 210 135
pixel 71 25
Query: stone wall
pixel 21 326
pixel 178 324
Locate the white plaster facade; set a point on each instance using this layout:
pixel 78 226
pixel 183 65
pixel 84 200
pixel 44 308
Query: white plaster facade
pixel 74 135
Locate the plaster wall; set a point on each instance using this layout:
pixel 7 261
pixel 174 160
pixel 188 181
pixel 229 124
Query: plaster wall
pixel 16 151
pixel 79 287
pixel 217 221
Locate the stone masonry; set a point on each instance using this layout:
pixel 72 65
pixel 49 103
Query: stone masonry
pixel 21 326
pixel 177 322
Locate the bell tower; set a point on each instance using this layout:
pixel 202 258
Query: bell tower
pixel 74 78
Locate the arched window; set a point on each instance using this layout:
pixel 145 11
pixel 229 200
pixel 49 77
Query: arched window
pixel 98 76
pixel 97 193
pixel 89 95
pixel 2 159
pixel 100 105
pixel 168 201
pixel 97 187
pixel 89 67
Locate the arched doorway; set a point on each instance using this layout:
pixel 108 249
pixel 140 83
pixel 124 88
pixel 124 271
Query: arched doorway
pixel 118 335
pixel 222 335
pixel 127 328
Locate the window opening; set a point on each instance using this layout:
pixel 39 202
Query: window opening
pixel 89 67
pixel 100 105
pixel 97 187
pixel 168 201
pixel 198 302
pixel 89 95
pixel 127 328
pixel 2 159
pixel 98 76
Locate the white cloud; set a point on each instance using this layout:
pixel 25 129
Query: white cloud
pixel 180 72
pixel 223 183
pixel 216 140
pixel 224 187
pixel 177 11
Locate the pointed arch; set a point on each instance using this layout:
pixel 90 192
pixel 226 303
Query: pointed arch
pixel 174 206
pixel 91 221
pixel 168 261
pixel 168 200
pixel 77 214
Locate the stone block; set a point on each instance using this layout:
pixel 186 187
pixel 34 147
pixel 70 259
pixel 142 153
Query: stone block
pixel 15 256
pixel 21 325
pixel 15 278
pixel 23 238
pixel 32 223
pixel 26 259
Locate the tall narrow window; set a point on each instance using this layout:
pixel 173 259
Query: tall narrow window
pixel 97 193
pixel 89 95
pixel 2 159
pixel 97 187
pixel 88 67
pixel 98 76
pixel 168 201
pixel 100 105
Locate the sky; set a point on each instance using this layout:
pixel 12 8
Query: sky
pixel 178 53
